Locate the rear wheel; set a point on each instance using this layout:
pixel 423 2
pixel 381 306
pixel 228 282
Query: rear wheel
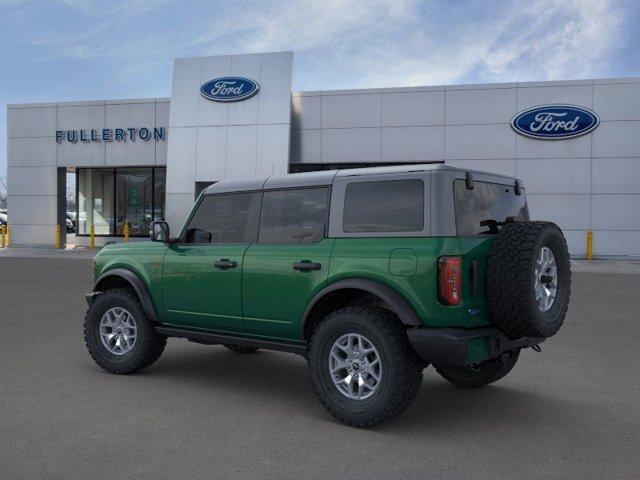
pixel 482 374
pixel 118 334
pixel 240 348
pixel 362 366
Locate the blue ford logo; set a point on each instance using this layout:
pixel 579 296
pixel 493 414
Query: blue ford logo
pixel 555 122
pixel 229 89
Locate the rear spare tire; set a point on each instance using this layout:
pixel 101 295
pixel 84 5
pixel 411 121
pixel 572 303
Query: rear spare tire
pixel 528 281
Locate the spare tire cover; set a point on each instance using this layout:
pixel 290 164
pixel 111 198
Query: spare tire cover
pixel 528 281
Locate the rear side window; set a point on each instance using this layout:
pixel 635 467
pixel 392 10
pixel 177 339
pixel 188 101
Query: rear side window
pixel 294 216
pixel 476 210
pixel 384 206
pixel 228 218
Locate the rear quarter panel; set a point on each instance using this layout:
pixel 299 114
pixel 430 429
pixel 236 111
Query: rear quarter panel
pixel 369 258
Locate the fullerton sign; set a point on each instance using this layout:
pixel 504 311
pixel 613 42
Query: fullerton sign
pixel 555 122
pixel 111 135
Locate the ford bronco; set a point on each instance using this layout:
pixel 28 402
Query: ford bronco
pixel 370 274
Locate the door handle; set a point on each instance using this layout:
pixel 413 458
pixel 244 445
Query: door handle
pixel 306 265
pixel 225 263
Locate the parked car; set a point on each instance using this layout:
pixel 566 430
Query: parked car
pixel 370 274
pixel 3 218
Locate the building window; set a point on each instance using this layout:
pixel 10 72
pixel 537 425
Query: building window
pixel 110 198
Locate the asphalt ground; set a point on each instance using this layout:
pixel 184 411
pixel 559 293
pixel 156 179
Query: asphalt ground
pixel 572 411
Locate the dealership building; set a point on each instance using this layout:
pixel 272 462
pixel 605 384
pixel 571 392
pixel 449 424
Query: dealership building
pixel 575 144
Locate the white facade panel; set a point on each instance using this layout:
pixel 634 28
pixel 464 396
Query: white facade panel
pixel 351 145
pixel 561 94
pixel 185 92
pixel 25 235
pixel 479 141
pixel 32 181
pixel 306 146
pixel 306 112
pixel 32 122
pixel 124 115
pixel 211 146
pixel 570 212
pixel 32 152
pixel 33 210
pixel 273 144
pixel 241 152
pixel 612 243
pixel 617 101
pixel 412 144
pixel 275 102
pixel 576 241
pixel 181 174
pixel 494 105
pixel 615 212
pixel 617 139
pixel 81 117
pixel 81 154
pixel 558 175
pixel 350 111
pixel 130 153
pixel 579 147
pixel 616 175
pixel 412 108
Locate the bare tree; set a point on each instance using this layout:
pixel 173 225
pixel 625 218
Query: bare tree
pixel 3 193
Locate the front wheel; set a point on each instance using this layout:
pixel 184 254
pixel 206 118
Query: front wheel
pixel 482 374
pixel 119 336
pixel 362 366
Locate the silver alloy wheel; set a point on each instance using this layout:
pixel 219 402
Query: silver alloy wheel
pixel 118 330
pixel 546 279
pixel 354 366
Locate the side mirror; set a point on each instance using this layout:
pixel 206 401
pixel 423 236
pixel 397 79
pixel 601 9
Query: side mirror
pixel 159 231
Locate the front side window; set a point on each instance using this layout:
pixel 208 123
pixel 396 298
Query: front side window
pixel 384 206
pixel 481 210
pixel 294 216
pixel 226 218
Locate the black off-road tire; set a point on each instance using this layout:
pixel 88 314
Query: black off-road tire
pixel 401 374
pixel 148 346
pixel 482 374
pixel 240 348
pixel 510 279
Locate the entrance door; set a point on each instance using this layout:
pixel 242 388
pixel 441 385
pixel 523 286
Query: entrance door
pixel 202 272
pixel 289 263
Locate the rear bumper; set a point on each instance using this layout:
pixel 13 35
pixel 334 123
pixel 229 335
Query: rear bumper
pixel 459 347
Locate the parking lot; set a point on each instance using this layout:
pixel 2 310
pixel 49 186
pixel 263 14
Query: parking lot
pixel 572 411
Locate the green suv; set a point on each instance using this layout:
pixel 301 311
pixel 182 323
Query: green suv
pixel 370 274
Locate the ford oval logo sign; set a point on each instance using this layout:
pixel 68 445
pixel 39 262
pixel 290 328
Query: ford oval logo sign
pixel 229 89
pixel 555 122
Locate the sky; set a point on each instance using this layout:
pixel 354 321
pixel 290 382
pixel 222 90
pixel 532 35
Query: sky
pixel 86 50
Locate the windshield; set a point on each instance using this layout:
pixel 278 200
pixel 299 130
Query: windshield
pixel 483 209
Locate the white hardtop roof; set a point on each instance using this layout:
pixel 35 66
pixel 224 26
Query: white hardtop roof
pixel 326 177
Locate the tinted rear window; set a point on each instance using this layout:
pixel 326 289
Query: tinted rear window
pixel 387 206
pixel 487 201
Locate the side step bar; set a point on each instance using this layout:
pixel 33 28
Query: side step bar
pixel 208 338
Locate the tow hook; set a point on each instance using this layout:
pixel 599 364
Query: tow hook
pixel 536 348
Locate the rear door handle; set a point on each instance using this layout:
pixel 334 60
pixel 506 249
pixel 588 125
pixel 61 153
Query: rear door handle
pixel 225 263
pixel 306 265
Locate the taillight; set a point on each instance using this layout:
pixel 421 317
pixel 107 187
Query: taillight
pixel 449 280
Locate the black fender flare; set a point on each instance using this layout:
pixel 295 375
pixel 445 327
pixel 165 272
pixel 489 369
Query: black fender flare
pixel 137 284
pixel 398 304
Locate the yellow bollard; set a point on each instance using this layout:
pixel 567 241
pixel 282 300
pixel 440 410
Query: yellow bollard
pixel 589 245
pixel 3 233
pixel 126 232
pixel 92 237
pixel 6 227
pixel 58 236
